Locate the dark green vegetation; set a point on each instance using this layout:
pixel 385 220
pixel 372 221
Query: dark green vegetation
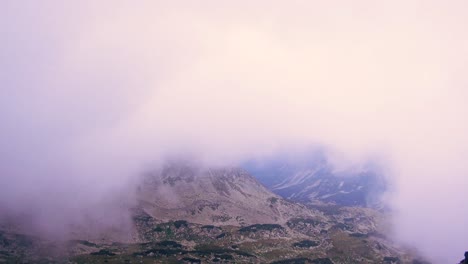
pixel 261 227
pixel 299 240
pixel 358 235
pixel 183 242
pixel 103 252
pixel 306 244
pixel 302 221
pixel 180 223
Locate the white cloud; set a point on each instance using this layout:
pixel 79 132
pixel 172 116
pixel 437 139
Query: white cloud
pixel 92 93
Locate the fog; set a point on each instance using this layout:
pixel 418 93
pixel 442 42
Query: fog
pixel 92 94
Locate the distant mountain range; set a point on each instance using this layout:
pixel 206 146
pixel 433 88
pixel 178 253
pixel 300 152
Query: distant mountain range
pixel 314 180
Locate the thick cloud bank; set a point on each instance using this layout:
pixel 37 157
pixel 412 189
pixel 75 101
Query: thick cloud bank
pixel 93 92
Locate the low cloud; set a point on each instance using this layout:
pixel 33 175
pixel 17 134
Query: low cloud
pixel 94 93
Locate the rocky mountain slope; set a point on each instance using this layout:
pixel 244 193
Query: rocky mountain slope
pixel 188 214
pixel 227 196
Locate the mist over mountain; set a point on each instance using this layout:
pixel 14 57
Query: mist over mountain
pixel 189 213
pixel 212 195
pixel 311 178
pixel 93 94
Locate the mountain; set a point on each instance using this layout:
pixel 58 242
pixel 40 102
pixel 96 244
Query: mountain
pixel 191 214
pixel 316 181
pixel 213 195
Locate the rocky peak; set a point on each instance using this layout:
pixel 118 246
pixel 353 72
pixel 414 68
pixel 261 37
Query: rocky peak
pixel 212 196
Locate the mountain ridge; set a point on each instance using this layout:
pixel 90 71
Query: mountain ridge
pixel 318 182
pixel 215 196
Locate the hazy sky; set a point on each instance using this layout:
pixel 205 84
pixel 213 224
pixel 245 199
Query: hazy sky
pixel 92 92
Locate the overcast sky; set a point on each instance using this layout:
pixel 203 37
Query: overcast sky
pixel 93 92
